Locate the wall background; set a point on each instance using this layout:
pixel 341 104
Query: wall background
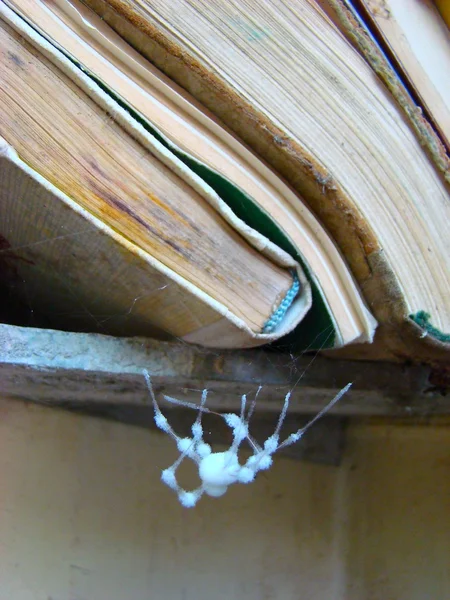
pixel 83 516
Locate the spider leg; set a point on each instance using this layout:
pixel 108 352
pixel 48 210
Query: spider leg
pixel 238 424
pixel 241 431
pixel 271 444
pixel 186 446
pixel 201 449
pixel 189 405
pixel 187 499
pixel 294 437
pixel 160 420
pixel 262 459
pixel 251 410
pixel 252 442
pixel 190 499
pixel 282 414
pixel 197 429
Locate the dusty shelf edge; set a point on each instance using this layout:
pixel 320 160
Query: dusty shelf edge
pixel 64 368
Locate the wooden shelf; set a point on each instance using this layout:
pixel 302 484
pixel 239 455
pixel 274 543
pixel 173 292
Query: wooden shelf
pixel 70 369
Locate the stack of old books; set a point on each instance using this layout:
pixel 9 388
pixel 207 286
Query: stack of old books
pixel 229 173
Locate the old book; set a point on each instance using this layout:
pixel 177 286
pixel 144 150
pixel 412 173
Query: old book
pixel 285 77
pixel 408 44
pixel 416 40
pixel 169 224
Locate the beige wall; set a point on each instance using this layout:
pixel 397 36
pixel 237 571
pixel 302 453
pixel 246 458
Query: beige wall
pixel 83 516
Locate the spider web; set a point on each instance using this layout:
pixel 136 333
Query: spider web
pixel 18 307
pixel 18 294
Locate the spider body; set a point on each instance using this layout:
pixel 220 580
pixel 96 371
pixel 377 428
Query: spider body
pixel 218 470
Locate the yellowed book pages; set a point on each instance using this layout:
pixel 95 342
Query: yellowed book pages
pixel 418 42
pixel 121 187
pixel 285 79
pixel 97 48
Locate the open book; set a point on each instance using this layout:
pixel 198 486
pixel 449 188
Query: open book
pixel 127 208
pixel 306 85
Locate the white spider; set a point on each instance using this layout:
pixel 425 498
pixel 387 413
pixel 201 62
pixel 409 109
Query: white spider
pixel 218 470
